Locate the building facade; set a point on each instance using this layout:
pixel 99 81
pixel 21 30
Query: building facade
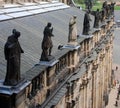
pixel 79 77
pixel 82 77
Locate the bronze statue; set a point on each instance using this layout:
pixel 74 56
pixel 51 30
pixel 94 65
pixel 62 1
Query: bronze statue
pixel 97 19
pixel 12 51
pixel 102 15
pixel 88 4
pixel 104 4
pixel 112 7
pixel 105 7
pixel 47 42
pixel 108 10
pixel 86 24
pixel 72 30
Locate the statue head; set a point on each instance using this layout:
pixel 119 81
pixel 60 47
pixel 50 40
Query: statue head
pixel 16 33
pixel 49 24
pixel 13 31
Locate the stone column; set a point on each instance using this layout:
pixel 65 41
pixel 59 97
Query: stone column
pixel 98 86
pixel 92 91
pixel 103 76
pixel 83 92
pixel 101 81
pixel 74 54
pixel 97 80
pixel 85 83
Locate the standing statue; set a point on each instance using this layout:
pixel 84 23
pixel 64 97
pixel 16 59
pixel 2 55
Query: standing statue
pixel 97 19
pixel 86 24
pixel 108 11
pixel 72 30
pixel 102 15
pixel 88 4
pixel 47 42
pixel 112 7
pixel 104 6
pixel 13 50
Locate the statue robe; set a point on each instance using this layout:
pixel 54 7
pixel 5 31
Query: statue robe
pixel 72 30
pixel 12 52
pixel 86 24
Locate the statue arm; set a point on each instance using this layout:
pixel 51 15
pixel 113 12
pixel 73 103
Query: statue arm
pixel 50 32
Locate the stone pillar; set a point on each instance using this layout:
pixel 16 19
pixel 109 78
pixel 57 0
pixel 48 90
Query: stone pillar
pixel 92 91
pixel 95 89
pixel 107 67
pixel 74 55
pixel 99 86
pixel 81 99
pixel 85 84
pixel 104 80
pixel 89 87
pixel 45 79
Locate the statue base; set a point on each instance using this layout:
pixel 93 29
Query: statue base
pixel 44 58
pixel 74 43
pixel 52 61
pixel 13 96
pixel 71 47
pixel 5 89
pixel 96 29
pixel 86 36
pixel 12 82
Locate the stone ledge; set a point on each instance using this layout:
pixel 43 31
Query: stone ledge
pixel 13 89
pixel 48 63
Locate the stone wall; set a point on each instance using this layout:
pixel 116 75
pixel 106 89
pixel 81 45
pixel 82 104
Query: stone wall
pixel 87 81
pixel 78 77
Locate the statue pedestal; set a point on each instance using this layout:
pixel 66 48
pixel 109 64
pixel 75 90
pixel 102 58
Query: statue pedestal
pixel 73 43
pixel 71 47
pixel 86 36
pixel 49 63
pixel 74 53
pixel 96 29
pixel 13 96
